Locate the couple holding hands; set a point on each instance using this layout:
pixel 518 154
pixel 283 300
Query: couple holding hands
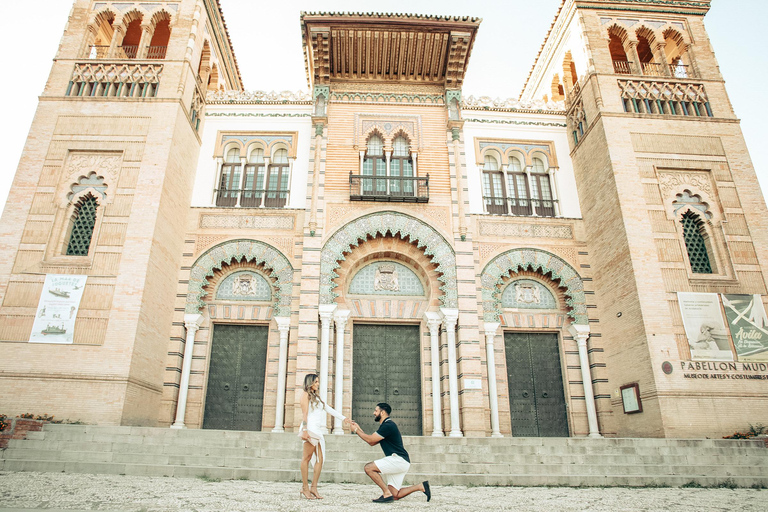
pixel 388 473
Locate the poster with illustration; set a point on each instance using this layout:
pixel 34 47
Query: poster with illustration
pixel 704 326
pixel 749 326
pixel 57 309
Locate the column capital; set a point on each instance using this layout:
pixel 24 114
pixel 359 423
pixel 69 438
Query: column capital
pixel 283 323
pixel 490 329
pixel 449 316
pixel 579 332
pixel 341 317
pixel 326 311
pixel 193 322
pixel 433 320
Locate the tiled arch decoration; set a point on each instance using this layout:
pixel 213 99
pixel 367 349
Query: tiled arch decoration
pixel 537 261
pixel 395 223
pixel 250 251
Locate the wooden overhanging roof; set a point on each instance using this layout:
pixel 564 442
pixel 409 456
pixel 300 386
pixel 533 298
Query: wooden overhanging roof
pixel 387 47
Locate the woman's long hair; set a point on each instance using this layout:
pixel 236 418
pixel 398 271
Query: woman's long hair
pixel 314 398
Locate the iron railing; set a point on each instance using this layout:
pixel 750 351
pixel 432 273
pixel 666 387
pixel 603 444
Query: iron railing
pixel 404 189
pixel 157 52
pixel 681 71
pixel 622 67
pixel 652 69
pixel 127 52
pixel 251 198
pixel 98 51
pixel 521 207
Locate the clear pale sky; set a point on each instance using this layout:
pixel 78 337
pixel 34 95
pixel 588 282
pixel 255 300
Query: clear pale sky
pixel 267 40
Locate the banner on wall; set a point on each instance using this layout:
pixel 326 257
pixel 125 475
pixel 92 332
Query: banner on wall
pixel 704 327
pixel 57 309
pixel 749 326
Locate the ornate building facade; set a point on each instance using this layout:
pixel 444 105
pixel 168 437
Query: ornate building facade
pixel 179 252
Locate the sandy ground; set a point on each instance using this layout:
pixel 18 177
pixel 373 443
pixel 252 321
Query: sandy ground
pixel 58 491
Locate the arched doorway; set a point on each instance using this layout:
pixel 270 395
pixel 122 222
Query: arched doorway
pixel 532 294
pixel 239 287
pixel 388 269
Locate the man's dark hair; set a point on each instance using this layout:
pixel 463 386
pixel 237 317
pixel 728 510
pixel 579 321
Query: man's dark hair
pixel 385 407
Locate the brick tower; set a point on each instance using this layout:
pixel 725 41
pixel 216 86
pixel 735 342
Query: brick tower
pixel 102 191
pixel 669 197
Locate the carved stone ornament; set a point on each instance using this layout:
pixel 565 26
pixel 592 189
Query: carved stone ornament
pixel 673 182
pixel 488 103
pixel 386 279
pixel 381 223
pixel 82 165
pixel 242 250
pixel 537 261
pixel 244 285
pixel 242 97
pixel 527 294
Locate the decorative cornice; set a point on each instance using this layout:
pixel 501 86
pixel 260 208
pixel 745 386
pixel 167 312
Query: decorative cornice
pixel 511 104
pixel 259 97
pixel 256 114
pixel 511 121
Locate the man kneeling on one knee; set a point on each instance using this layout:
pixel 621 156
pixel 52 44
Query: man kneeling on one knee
pixel 395 464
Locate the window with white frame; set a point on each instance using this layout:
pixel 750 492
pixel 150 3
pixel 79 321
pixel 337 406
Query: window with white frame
pixel 278 180
pixel 374 164
pixel 229 182
pixel 511 188
pixel 253 186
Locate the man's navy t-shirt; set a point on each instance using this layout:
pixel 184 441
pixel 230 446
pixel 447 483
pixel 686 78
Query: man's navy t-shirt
pixel 393 441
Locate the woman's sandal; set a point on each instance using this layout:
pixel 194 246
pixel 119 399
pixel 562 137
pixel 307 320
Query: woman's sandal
pixel 315 494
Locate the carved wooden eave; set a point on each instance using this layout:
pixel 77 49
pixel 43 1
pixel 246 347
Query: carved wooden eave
pixel 432 50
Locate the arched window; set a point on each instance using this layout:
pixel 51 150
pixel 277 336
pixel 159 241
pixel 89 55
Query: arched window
pixel 374 164
pixel 517 188
pixel 229 184
pixel 253 187
pixel 493 186
pixel 541 190
pixel 129 48
pixel 158 46
pixel 83 222
pixel 621 63
pixel 676 54
pixel 647 60
pixel 401 165
pixel 696 243
pixel 278 179
pixel 103 37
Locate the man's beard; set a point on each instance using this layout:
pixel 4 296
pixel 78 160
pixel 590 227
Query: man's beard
pixel 377 418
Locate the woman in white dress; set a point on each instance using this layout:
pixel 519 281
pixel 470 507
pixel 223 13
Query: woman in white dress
pixel 314 410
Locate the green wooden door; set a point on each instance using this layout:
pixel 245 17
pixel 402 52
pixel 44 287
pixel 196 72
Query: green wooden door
pixel 387 368
pixel 235 396
pixel 534 377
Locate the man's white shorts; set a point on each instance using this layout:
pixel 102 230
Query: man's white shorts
pixel 393 469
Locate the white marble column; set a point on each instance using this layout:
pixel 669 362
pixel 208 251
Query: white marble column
pixel 326 315
pixel 192 323
pixel 493 395
pixel 341 317
pixel 450 317
pixel 433 322
pixel 284 326
pixel 581 333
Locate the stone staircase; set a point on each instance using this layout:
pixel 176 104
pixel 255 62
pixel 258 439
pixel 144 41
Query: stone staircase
pixel 511 461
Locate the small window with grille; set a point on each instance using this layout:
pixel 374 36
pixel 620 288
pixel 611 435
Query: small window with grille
pixel 83 222
pixel 696 243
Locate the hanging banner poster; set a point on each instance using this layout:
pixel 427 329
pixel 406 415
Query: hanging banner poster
pixel 704 327
pixel 749 326
pixel 57 309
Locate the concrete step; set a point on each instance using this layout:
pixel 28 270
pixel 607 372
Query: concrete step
pixel 45 450
pixel 444 461
pixel 467 479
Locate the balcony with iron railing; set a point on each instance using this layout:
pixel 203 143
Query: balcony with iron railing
pixel 396 189
pixel 126 52
pixel 520 207
pixel 230 198
pixel 654 69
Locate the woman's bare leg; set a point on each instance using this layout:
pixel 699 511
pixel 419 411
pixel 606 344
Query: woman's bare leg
pixel 306 456
pixel 316 472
